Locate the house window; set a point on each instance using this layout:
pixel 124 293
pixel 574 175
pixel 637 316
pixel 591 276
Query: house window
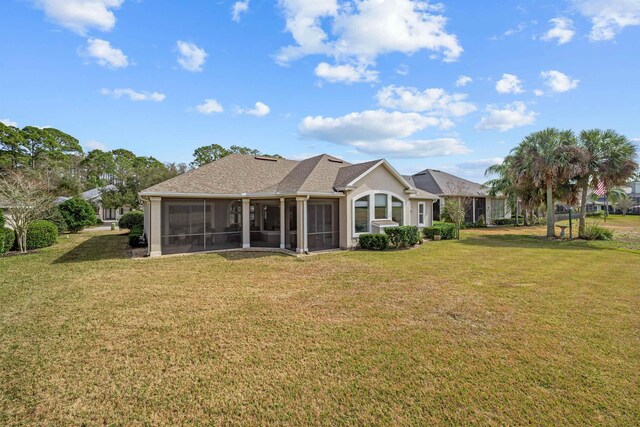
pixel 397 210
pixel 421 211
pixel 381 206
pixel 361 215
pixel 497 208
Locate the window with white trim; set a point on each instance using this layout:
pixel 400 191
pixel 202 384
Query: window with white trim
pixel 361 215
pixel 421 214
pixel 382 201
pixel 397 210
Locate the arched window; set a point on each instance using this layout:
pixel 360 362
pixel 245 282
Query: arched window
pixel 361 215
pixel 397 210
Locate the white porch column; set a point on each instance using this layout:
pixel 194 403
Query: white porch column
pixel 155 224
pixel 246 223
pixel 302 243
pixel 473 212
pixel 282 224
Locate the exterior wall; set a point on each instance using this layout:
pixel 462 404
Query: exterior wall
pixel 413 213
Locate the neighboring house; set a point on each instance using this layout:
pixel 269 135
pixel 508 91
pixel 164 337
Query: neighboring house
pixel 94 196
pixel 244 201
pixel 632 190
pixel 445 185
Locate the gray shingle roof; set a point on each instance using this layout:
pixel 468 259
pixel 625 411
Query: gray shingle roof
pixel 445 184
pixel 94 193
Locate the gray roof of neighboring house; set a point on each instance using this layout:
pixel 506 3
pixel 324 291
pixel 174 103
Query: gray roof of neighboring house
pixel 445 184
pixel 95 193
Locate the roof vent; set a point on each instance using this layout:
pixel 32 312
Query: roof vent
pixel 268 159
pixel 335 160
pixel 420 174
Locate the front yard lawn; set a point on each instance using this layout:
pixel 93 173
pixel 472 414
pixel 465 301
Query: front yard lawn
pixel 498 328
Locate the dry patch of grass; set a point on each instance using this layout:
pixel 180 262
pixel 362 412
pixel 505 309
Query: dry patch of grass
pixel 495 329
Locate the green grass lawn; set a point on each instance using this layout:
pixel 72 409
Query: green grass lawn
pixel 502 327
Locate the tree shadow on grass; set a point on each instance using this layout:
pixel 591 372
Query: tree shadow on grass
pixel 96 248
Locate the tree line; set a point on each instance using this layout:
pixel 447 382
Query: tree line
pixel 555 165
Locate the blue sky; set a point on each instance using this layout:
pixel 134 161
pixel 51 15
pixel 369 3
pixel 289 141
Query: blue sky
pixel 451 85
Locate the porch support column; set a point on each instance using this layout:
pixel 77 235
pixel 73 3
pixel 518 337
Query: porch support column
pixel 282 223
pixel 246 223
pixel 473 212
pixel 301 206
pixel 155 239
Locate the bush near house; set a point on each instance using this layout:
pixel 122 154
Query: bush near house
pixel 597 232
pixel 131 219
pixel 55 216
pixel 374 242
pixel 77 214
pixel 7 239
pixel 41 234
pixel 447 230
pixel 403 236
pixel 135 236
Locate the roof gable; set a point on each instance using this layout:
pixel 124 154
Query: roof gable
pixel 446 184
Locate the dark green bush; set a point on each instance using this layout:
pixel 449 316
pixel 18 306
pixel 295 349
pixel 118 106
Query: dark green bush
pixel 374 242
pixel 131 219
pixel 503 221
pixel 447 230
pixel 403 236
pixel 1 219
pixel 41 233
pixel 77 214
pixel 135 236
pixel 7 239
pixel 55 216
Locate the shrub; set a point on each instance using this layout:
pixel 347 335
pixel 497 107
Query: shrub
pixel 403 236
pixel 1 219
pixel 7 239
pixel 597 232
pixel 55 216
pixel 41 234
pixel 374 242
pixel 594 214
pixel 503 221
pixel 131 219
pixel 447 230
pixel 481 222
pixel 77 214
pixel 135 236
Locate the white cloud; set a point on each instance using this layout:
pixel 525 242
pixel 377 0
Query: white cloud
pixel 238 9
pixel 104 54
pixel 558 82
pixel 509 83
pixel 382 133
pixel 562 30
pixel 260 110
pixel 511 116
pixel 538 92
pixel 463 81
pixel 437 101
pixel 81 15
pixel 358 32
pixel 191 57
pixel 94 145
pixel 134 95
pixel 209 106
pixel 609 17
pixel 9 122
pixel 403 70
pixel 511 31
pixel 345 73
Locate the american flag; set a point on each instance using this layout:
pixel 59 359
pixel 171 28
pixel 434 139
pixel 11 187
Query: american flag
pixel 600 190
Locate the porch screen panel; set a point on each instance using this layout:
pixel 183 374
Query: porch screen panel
pixel 182 225
pixel 323 224
pixel 291 224
pixel 223 224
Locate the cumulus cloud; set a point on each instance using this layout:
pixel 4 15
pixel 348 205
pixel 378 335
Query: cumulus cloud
pixel 134 95
pixel 511 116
pixel 190 56
pixel 463 81
pixel 239 8
pixel 562 30
pixel 9 122
pixel 345 73
pixel 81 15
pixel 94 145
pixel 260 110
pixel 509 83
pixel 104 54
pixel 436 101
pixel 209 106
pixel 558 82
pixel 403 70
pixel 358 33
pixel 609 17
pixel 382 133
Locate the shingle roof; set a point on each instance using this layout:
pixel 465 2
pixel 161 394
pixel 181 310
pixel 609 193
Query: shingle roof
pixel 445 184
pixel 95 192
pixel 351 172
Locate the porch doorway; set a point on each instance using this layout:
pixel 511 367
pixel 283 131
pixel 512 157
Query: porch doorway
pixel 264 220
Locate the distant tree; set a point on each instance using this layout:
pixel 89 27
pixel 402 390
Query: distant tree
pixel 99 169
pixel 209 153
pixel 77 214
pixel 456 209
pixel 12 152
pixel 625 204
pixel 28 200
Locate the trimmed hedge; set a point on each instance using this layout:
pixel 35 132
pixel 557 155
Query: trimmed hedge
pixel 131 219
pixel 403 236
pixel 374 242
pixel 135 236
pixel 41 233
pixel 447 230
pixel 503 221
pixel 7 239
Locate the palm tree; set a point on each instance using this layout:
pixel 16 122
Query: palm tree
pixel 609 160
pixel 547 159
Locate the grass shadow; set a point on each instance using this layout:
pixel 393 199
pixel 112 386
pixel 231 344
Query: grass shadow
pixel 96 248
pixel 242 255
pixel 524 241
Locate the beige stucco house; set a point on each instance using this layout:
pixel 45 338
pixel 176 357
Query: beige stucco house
pixel 244 201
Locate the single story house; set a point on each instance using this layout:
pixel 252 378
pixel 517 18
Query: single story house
pixel 94 196
pixel 245 201
pixel 445 185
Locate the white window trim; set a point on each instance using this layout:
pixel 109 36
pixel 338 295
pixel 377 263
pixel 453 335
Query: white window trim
pixel 422 205
pixel 371 195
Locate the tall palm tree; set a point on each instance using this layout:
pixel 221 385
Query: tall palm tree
pixel 610 159
pixel 548 159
